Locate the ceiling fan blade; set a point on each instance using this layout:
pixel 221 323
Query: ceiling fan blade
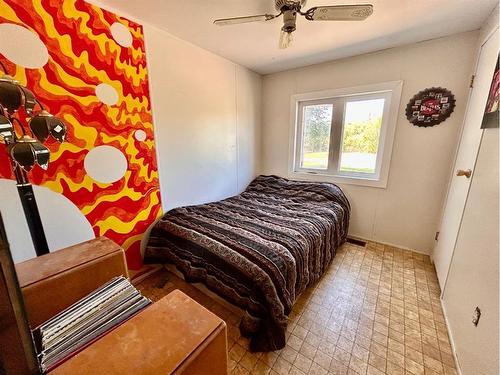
pixel 340 13
pixel 236 20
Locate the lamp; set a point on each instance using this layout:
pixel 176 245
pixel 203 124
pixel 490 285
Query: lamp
pixel 44 124
pixel 11 97
pixel 27 150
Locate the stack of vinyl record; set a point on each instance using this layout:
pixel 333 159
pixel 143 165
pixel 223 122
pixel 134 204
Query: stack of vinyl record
pixel 85 321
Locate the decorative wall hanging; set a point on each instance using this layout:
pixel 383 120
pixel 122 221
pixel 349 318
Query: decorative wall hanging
pixel 491 118
pixel 430 107
pixel 88 67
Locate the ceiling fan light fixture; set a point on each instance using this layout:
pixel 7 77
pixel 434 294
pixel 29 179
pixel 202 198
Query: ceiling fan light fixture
pixel 286 39
pixel 289 21
pixel 289 26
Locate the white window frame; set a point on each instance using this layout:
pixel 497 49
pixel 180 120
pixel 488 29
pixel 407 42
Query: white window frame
pixel 390 91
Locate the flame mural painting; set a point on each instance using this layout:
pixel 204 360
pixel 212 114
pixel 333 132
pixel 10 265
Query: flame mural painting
pixel 90 71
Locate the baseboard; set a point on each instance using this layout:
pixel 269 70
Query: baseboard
pixel 354 236
pixel 147 270
pixel 450 335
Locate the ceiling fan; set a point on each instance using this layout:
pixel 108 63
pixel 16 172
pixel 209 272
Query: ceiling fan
pixel 290 8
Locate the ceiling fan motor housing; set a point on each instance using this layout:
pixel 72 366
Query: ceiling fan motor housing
pixel 289 21
pixel 284 5
pixel 289 9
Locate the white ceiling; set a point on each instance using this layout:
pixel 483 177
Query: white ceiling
pixel 255 45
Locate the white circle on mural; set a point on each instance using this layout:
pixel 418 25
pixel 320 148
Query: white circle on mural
pixel 22 46
pixel 106 94
pixel 63 223
pixel 121 34
pixel 140 135
pixel 105 164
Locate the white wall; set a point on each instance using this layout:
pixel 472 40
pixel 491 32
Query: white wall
pixel 406 213
pixel 249 116
pixel 207 121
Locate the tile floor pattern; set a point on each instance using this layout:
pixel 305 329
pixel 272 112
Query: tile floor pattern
pixel 375 311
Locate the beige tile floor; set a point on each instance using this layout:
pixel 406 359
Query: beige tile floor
pixel 375 311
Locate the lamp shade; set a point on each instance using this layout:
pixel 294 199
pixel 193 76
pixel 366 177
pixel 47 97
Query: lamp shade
pixel 27 152
pixel 44 124
pixel 28 100
pixel 6 128
pixel 11 96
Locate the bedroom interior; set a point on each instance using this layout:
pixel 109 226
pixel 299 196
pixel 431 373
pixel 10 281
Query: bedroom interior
pixel 249 187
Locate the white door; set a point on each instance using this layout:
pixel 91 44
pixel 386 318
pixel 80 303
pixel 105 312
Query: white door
pixel 473 277
pixel 466 158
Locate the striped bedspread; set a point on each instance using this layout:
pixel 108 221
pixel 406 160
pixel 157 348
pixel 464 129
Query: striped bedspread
pixel 259 250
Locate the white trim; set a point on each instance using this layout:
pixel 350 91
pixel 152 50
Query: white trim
pixel 154 268
pixel 490 25
pixel 237 128
pixel 392 94
pixel 452 341
pixel 405 248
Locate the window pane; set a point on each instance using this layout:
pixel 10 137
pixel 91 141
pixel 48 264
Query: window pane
pixel 362 123
pixel 316 136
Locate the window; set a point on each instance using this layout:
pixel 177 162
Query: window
pixel 345 135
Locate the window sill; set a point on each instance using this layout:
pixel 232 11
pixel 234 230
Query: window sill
pixel 338 179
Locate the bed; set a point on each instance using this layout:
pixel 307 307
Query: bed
pixel 258 250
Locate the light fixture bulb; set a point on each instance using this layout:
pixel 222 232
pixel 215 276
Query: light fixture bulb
pixel 286 39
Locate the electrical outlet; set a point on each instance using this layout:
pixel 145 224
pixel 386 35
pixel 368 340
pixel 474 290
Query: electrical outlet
pixel 476 315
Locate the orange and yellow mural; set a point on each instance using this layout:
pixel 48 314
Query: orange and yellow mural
pixel 96 80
